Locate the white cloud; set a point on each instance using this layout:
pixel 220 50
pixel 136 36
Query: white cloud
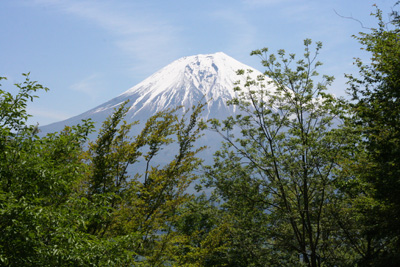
pixel 47 115
pixel 89 86
pixel 138 35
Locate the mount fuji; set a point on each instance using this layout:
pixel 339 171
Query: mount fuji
pixel 185 82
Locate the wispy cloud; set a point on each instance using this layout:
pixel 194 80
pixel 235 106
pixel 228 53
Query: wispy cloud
pixel 146 38
pixel 90 86
pixel 46 115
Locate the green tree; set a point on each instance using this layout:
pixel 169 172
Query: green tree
pixel 375 187
pixel 204 231
pixel 280 163
pixel 65 203
pixel 37 180
pixel 142 206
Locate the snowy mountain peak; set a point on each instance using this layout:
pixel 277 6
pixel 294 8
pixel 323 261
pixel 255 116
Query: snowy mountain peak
pixel 185 81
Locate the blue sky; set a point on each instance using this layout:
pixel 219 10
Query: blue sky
pixel 89 51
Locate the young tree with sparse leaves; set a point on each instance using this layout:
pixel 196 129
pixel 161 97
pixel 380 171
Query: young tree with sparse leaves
pixel 279 165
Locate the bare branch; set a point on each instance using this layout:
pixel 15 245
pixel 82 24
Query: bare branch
pixel 352 18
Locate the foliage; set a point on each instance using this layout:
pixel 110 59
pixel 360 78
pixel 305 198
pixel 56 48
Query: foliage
pixel 376 190
pixel 203 230
pixel 64 203
pixel 144 206
pixel 280 169
pixel 302 178
pixel 37 178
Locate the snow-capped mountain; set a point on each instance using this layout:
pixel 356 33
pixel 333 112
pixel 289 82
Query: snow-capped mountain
pixel 185 81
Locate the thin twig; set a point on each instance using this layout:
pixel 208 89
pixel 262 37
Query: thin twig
pixel 362 25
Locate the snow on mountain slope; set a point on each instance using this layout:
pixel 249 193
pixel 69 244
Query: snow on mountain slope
pixel 185 81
